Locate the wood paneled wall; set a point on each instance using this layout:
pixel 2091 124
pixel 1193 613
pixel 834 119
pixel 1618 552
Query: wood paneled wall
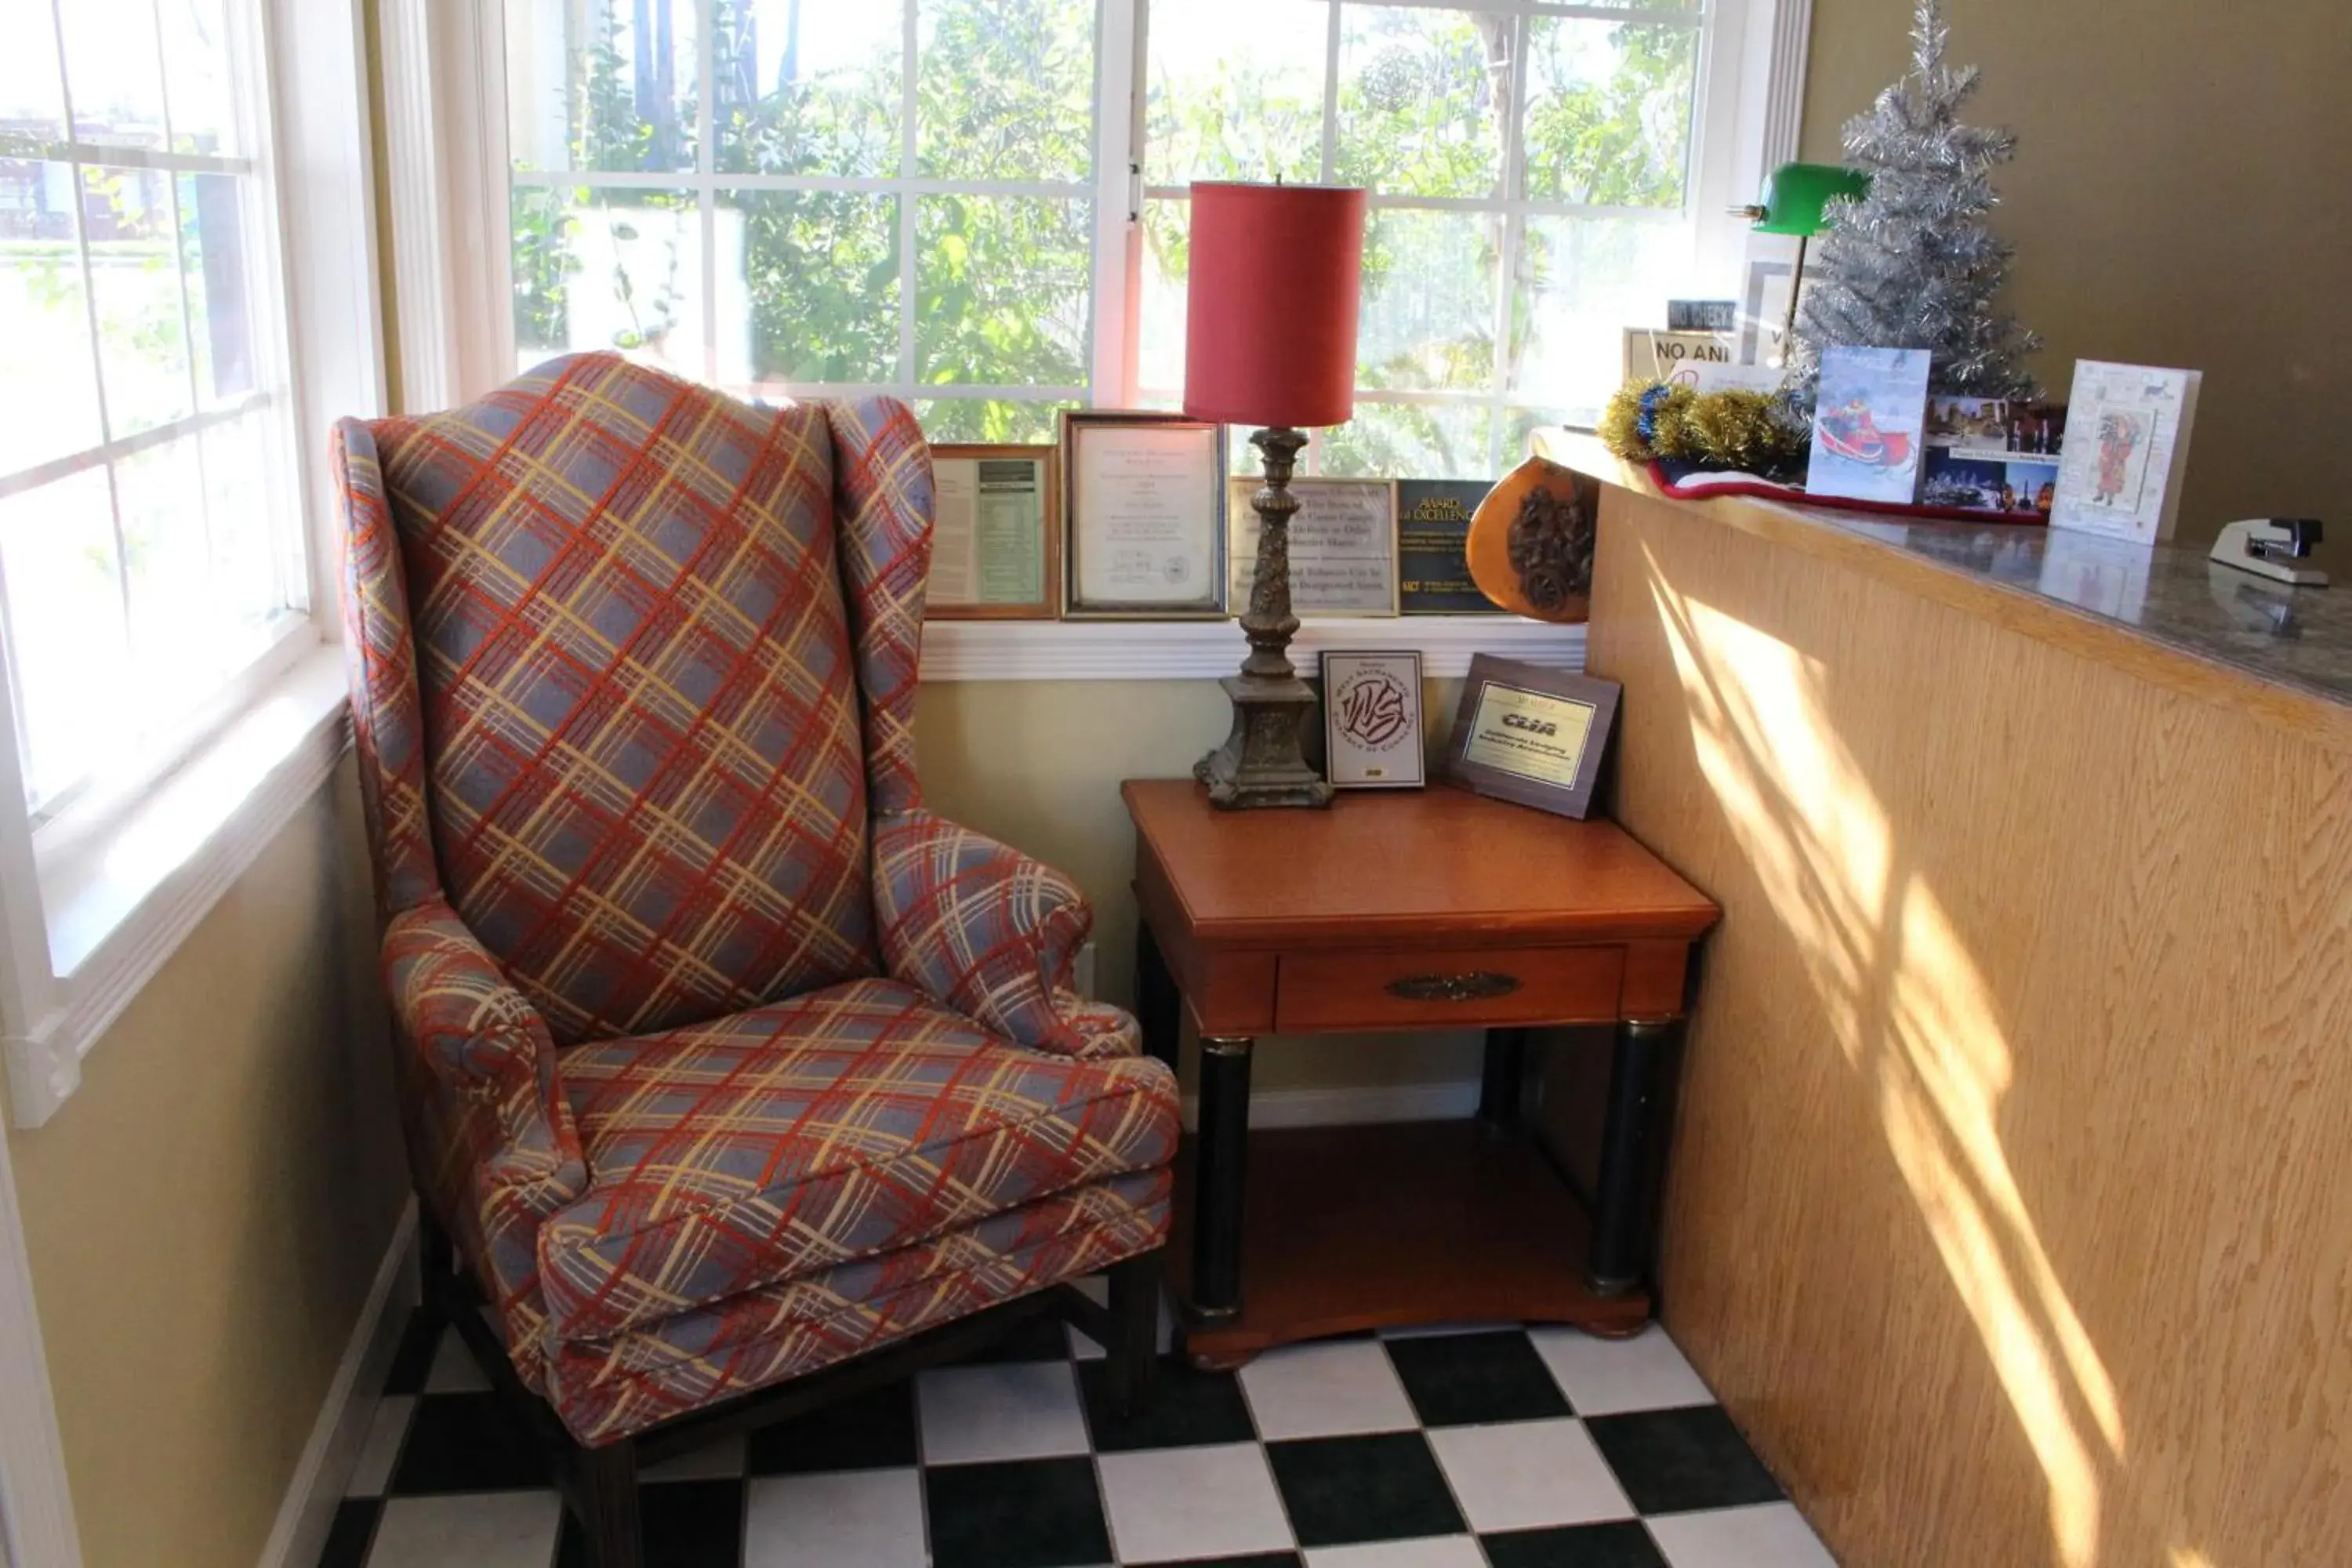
pixel 2010 1209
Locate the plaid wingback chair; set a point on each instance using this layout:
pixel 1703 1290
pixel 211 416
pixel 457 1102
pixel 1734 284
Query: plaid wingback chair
pixel 722 1059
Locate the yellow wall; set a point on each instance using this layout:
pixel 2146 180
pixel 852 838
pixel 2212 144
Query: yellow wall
pixel 2178 199
pixel 205 1216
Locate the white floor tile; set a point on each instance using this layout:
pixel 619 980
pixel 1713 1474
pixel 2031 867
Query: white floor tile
pixel 870 1517
pixel 1431 1551
pixel 485 1530
pixel 1770 1535
pixel 1325 1390
pixel 455 1371
pixel 381 1451
pixel 1023 1410
pixel 1524 1474
pixel 721 1459
pixel 1172 1503
pixel 1608 1377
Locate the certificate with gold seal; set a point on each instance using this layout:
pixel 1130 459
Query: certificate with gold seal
pixel 1533 735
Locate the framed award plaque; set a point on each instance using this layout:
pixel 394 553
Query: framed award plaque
pixel 1371 720
pixel 1532 735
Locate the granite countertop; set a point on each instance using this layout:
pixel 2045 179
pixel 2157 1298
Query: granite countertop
pixel 2297 638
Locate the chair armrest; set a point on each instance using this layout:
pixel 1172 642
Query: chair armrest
pixel 490 1133
pixel 987 931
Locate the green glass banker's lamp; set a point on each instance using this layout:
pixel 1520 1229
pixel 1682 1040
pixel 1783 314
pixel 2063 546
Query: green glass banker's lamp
pixel 1795 200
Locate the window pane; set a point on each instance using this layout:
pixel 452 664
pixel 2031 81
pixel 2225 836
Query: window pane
pixel 609 270
pixel 1429 303
pixel 49 383
pixel 1402 441
pixel 1608 112
pixel 250 571
pixel 141 345
pixel 114 71
pixel 990 420
pixel 65 627
pixel 1421 99
pixel 1002 287
pixel 810 88
pixel 1236 91
pixel 607 85
pixel 30 104
pixel 1159 338
pixel 1005 90
pixel 212 226
pixel 197 58
pixel 1582 281
pixel 813 293
pixel 174 643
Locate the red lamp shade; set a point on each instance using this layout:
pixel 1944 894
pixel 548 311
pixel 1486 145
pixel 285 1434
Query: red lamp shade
pixel 1270 329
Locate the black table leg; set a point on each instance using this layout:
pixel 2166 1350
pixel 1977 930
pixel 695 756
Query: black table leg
pixel 1633 1154
pixel 1220 1156
pixel 1158 1003
pixel 1499 1089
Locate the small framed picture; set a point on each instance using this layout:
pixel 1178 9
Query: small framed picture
pixel 1145 513
pixel 996 534
pixel 1371 720
pixel 1343 545
pixel 1532 735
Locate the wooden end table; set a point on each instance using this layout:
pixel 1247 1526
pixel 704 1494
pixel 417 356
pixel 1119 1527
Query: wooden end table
pixel 1426 909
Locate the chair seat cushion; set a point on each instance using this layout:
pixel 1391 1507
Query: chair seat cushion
pixel 791 1138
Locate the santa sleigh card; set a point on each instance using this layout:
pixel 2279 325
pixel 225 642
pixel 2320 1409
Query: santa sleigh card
pixel 1867 423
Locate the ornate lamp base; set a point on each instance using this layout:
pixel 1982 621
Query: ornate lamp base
pixel 1264 761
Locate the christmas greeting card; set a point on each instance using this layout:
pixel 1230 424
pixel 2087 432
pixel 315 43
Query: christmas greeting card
pixel 1868 423
pixel 2126 451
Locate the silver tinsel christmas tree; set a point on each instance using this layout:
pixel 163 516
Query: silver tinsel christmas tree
pixel 1914 265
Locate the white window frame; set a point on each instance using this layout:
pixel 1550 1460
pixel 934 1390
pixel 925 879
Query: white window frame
pixel 92 904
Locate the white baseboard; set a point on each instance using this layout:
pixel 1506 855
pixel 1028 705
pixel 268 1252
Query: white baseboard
pixel 328 1458
pixel 1352 1106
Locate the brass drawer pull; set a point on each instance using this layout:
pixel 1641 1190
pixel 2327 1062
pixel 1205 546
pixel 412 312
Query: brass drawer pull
pixel 1475 986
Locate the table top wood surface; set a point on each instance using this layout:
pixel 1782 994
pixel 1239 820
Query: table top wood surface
pixel 1433 864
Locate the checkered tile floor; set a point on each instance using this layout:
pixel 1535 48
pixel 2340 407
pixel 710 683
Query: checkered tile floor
pixel 1473 1448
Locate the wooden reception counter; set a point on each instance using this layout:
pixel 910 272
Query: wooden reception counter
pixel 2010 1209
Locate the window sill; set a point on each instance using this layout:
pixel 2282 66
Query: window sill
pixel 1186 651
pixel 118 909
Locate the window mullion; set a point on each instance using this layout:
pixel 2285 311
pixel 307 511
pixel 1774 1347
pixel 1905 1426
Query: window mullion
pixel 909 63
pixel 1121 28
pixel 706 165
pixel 1511 226
pixel 1331 97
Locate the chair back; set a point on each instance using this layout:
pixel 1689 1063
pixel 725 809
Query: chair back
pixel 607 691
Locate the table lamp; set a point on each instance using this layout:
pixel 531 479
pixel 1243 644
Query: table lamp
pixel 1270 341
pixel 1795 200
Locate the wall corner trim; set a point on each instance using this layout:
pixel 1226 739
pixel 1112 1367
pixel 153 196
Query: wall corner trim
pixel 307 1512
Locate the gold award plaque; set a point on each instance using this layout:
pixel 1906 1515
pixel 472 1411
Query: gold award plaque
pixel 1530 733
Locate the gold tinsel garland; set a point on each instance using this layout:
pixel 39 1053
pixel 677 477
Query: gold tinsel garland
pixel 1752 432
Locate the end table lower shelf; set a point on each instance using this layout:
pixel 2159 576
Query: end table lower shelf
pixel 1351 1228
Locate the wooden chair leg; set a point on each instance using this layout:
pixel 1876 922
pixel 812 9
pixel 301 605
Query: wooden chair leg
pixel 1135 1325
pixel 436 1260
pixel 608 1503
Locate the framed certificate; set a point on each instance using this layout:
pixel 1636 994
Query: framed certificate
pixel 1343 545
pixel 1532 735
pixel 1371 720
pixel 1145 515
pixel 996 534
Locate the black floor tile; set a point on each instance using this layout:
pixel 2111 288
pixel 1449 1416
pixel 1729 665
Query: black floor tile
pixel 1256 1560
pixel 466 1443
pixel 873 1431
pixel 348 1537
pixel 413 1359
pixel 1464 1379
pixel 1621 1544
pixel 1028 1513
pixel 1187 1408
pixel 693 1524
pixel 1040 1337
pixel 1338 1490
pixel 1672 1460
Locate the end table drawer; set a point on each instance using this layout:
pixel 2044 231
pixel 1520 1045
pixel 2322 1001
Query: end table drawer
pixel 1434 987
